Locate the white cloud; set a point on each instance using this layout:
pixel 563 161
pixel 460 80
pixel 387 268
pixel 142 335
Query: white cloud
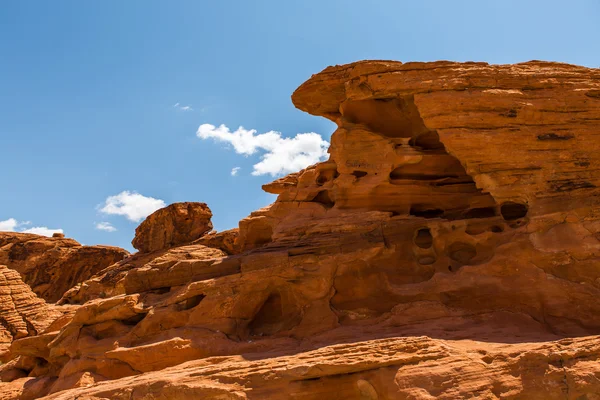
pixel 182 107
pixel 235 170
pixel 42 230
pixel 281 155
pixel 11 225
pixel 105 226
pixel 132 205
pixel 8 225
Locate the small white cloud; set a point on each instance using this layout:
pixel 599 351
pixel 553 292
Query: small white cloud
pixel 132 205
pixel 42 230
pixel 8 225
pixel 281 155
pixel 234 171
pixel 105 226
pixel 182 107
pixel 11 225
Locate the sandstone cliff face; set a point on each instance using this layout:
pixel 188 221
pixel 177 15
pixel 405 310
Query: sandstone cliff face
pixel 447 249
pixel 51 266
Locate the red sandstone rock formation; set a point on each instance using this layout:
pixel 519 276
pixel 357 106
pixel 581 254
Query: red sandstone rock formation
pixel 51 266
pixel 447 249
pixel 22 313
pixel 174 225
pixel 225 240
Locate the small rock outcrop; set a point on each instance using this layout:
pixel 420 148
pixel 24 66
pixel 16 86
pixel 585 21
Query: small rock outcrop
pixel 447 249
pixel 225 240
pixel 174 225
pixel 51 266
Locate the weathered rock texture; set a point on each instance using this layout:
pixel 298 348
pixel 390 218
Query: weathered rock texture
pixel 174 225
pixel 22 313
pixel 51 266
pixel 447 249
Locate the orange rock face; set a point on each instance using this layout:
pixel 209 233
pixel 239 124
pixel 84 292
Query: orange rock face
pixel 51 266
pixel 448 249
pixel 174 225
pixel 22 313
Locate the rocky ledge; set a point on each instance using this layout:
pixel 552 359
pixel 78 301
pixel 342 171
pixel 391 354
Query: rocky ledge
pixel 449 248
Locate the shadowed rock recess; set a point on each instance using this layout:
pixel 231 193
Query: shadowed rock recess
pixel 448 249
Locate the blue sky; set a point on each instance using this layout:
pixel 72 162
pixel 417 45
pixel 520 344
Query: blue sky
pixel 93 95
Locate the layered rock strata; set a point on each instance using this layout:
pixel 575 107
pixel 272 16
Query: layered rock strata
pixel 51 266
pixel 447 249
pixel 22 313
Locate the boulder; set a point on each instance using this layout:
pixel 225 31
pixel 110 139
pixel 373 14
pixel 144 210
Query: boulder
pixel 176 224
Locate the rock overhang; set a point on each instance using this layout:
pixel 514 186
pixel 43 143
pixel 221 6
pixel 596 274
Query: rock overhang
pixel 508 125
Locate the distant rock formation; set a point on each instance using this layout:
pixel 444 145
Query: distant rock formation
pixel 22 313
pixel 174 225
pixel 51 266
pixel 448 249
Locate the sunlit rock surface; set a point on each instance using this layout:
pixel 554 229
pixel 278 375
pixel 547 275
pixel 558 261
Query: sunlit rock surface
pixel 447 249
pixel 52 265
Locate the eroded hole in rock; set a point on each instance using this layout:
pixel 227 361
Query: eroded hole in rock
pixel 462 252
pixel 40 362
pixel 475 230
pixel 359 174
pixel 19 252
pixel 311 379
pixel 554 137
pixel 482 212
pixel 423 238
pixel 425 171
pixel 132 321
pixel 427 260
pixel 427 141
pixel 190 303
pixel 568 185
pixel 274 316
pixel 496 229
pixel 516 223
pixel 425 211
pixel 161 290
pixel 323 198
pixel 512 113
pixel 393 117
pixel 404 172
pixel 511 211
pixel 327 176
